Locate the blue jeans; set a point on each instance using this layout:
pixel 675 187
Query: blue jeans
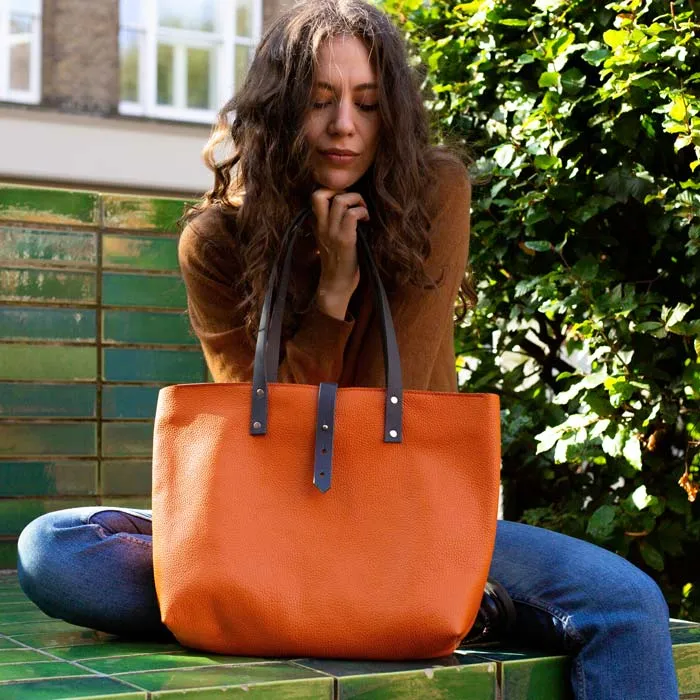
pixel 93 567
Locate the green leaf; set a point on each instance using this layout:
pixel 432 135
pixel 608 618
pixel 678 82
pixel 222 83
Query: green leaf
pixel 573 80
pixel 615 38
pixel 504 155
pixel 586 268
pixel 677 315
pixel 512 22
pixel 549 79
pixel 678 109
pixel 539 246
pixel 632 451
pixel 697 347
pixel 596 56
pixel 602 522
pixel 641 498
pixel 651 556
pixel 547 162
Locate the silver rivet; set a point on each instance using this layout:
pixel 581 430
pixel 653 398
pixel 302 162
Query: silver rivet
pixel 257 425
pixel 260 392
pixel 393 433
pixel 324 427
pixel 394 400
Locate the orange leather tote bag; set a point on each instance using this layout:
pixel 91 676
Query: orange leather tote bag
pixel 292 520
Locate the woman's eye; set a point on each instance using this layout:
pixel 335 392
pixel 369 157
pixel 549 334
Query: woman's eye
pixel 321 105
pixel 369 108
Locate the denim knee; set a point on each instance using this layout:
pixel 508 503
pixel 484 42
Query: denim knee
pixel 629 599
pixel 37 559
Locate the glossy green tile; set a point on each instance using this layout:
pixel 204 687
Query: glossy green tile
pixel 341 667
pixel 113 648
pixel 15 656
pixel 48 640
pixel 6 643
pixel 69 688
pixel 32 284
pixel 687 660
pixel 36 627
pixel 126 478
pixel 158 291
pixel 526 676
pixel 674 623
pixel 473 681
pixel 685 635
pixel 313 689
pixel 47 362
pixel 142 213
pixel 129 401
pixel 159 662
pixel 217 676
pixel 48 206
pixel 55 246
pixel 48 478
pixel 8 553
pixel 25 617
pixel 52 439
pixel 48 401
pixel 128 501
pixel 140 252
pixel 41 669
pixel 143 327
pixel 27 323
pixel 127 439
pixel 16 513
pixel 171 366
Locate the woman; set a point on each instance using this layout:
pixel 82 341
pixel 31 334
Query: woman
pixel 331 117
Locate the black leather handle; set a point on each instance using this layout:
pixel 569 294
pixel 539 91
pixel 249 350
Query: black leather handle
pixel 270 329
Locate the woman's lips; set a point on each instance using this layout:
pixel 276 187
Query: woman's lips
pixel 339 158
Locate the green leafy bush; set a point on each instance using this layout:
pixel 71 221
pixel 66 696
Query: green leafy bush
pixel 584 121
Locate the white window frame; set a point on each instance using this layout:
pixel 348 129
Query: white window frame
pixel 223 43
pixel 33 94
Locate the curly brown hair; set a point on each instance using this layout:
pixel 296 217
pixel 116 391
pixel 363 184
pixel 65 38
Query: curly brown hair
pixel 266 179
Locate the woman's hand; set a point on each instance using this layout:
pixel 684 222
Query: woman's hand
pixel 337 214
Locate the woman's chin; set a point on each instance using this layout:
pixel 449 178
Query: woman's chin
pixel 336 181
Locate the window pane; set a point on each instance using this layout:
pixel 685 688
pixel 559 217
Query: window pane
pixel 21 26
pixel 129 64
pixel 187 14
pixel 19 66
pixel 199 78
pixel 244 18
pixel 166 74
pixel 28 7
pixel 130 12
pixel 244 56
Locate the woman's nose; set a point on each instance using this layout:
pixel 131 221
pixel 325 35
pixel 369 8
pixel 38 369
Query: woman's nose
pixel 342 122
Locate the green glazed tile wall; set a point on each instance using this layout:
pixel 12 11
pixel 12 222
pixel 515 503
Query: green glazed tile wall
pixel 93 324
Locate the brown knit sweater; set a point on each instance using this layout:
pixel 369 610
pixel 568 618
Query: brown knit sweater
pixel 325 349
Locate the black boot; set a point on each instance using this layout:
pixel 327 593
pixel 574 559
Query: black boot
pixel 495 619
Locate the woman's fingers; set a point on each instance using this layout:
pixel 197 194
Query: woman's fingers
pixel 345 211
pixel 320 205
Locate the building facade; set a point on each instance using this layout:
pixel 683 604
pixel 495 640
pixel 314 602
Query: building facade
pixel 119 94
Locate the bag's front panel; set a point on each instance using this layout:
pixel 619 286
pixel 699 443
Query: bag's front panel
pixel 390 563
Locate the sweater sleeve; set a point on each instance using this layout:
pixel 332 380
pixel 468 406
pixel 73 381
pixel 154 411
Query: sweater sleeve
pixel 423 316
pixel 312 356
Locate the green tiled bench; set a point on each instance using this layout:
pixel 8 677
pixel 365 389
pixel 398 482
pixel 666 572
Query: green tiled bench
pixel 92 324
pixel 43 658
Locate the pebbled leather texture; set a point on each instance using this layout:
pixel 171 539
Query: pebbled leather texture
pixel 251 559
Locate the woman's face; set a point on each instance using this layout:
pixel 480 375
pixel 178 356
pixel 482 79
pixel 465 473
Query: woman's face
pixel 342 127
